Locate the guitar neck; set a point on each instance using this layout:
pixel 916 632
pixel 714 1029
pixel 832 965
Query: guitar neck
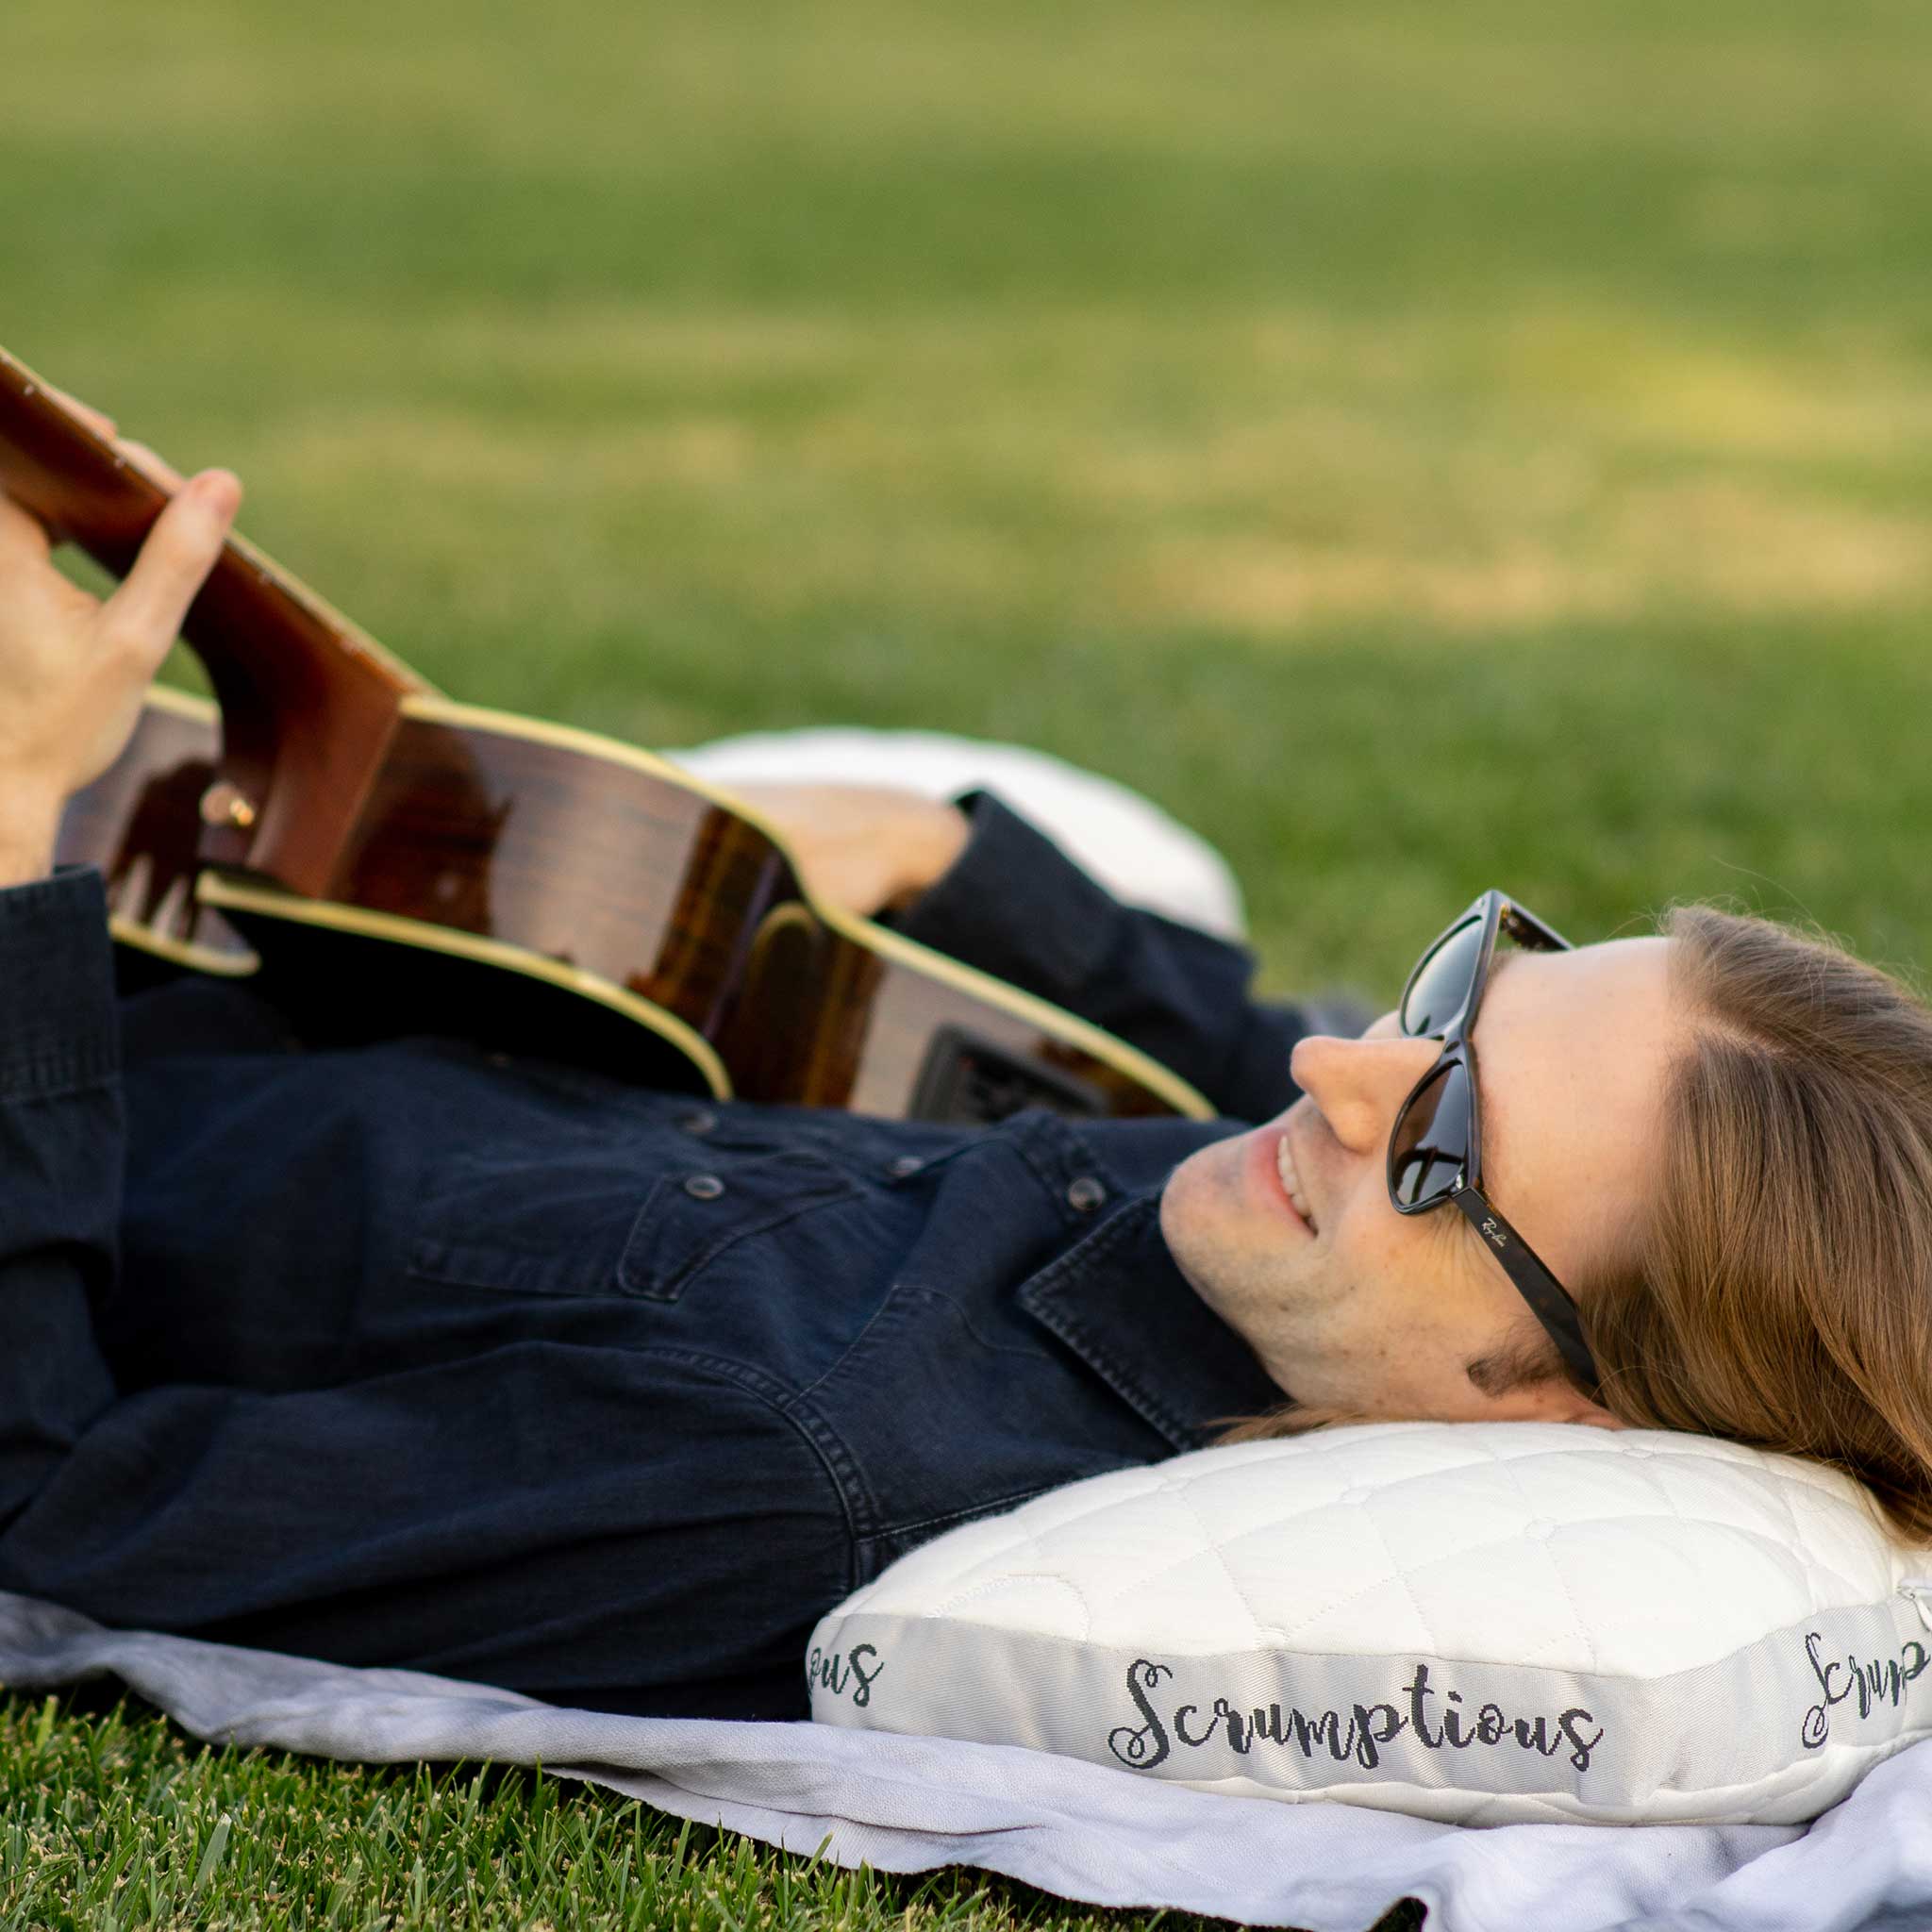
pixel 307 699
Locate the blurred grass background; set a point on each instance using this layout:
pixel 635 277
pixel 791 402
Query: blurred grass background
pixel 1422 448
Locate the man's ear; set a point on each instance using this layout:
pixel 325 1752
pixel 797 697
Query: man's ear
pixel 1553 1399
pixel 1597 1416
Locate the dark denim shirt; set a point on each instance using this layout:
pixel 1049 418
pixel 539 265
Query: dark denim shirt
pixel 417 1354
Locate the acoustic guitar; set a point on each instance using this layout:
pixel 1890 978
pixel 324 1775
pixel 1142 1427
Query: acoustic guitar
pixel 331 809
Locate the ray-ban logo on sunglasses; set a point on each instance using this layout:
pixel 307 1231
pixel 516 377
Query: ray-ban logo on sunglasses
pixel 1495 1234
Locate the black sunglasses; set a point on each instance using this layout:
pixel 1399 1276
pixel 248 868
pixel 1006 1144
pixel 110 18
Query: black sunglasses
pixel 1435 1146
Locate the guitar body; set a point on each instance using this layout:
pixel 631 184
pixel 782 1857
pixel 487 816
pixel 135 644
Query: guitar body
pixel 140 824
pixel 572 863
pixel 332 809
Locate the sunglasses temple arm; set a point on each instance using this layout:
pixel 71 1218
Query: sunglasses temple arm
pixel 1549 1302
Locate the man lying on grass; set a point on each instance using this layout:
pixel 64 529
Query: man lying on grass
pixel 409 1354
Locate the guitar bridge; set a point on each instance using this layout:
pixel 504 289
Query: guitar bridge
pixel 969 1080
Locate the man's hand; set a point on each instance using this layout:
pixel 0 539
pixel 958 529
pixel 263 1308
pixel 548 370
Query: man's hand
pixel 74 669
pixel 865 848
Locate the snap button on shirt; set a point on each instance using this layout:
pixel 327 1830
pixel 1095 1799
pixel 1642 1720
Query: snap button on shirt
pixel 704 1187
pixel 1085 1194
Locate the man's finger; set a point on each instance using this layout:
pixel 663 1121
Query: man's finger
pixel 21 533
pixel 174 563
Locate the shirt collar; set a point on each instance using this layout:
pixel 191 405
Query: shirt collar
pixel 1119 1302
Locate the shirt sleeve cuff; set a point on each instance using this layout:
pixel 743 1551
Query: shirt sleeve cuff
pixel 1014 905
pixel 57 986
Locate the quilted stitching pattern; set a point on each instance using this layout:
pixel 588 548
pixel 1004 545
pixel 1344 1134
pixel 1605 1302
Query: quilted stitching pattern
pixel 1626 1553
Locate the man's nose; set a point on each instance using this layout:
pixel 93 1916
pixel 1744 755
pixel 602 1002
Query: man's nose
pixel 1359 1084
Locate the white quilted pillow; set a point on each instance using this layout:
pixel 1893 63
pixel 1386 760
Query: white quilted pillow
pixel 1475 1622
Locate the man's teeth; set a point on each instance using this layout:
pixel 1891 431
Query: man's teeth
pixel 1292 1182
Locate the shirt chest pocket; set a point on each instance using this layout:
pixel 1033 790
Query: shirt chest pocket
pixel 690 1221
pixel 583 1227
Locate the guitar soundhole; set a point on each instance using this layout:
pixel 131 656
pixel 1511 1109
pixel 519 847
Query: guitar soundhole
pixel 971 1080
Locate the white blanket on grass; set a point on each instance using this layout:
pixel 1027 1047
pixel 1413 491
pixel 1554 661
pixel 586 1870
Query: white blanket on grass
pixel 1085 1831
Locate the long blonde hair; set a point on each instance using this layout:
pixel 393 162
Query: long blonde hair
pixel 1778 1291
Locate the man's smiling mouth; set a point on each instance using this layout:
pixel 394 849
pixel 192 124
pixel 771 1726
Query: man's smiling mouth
pixel 1291 1183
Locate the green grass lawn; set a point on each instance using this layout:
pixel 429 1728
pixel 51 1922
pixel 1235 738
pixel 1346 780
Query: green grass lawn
pixel 1424 447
